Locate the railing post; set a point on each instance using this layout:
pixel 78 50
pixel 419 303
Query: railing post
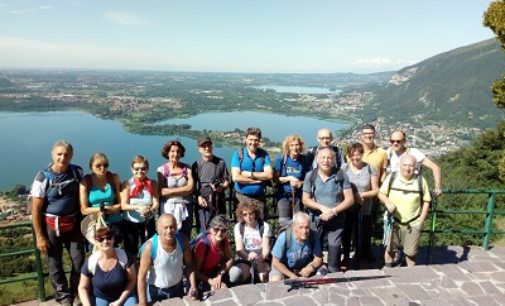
pixel 40 273
pixel 433 227
pixel 488 227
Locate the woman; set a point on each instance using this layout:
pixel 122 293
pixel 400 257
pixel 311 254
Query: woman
pixel 212 255
pixel 100 190
pixel 365 183
pixel 289 173
pixel 252 244
pixel 107 276
pixel 139 203
pixel 176 187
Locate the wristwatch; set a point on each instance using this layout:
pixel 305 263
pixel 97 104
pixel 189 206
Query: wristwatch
pixel 222 272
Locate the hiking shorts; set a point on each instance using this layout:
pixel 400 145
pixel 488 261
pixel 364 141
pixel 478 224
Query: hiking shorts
pixel 406 236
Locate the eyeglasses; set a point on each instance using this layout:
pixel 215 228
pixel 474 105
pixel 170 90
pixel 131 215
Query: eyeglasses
pixel 247 214
pixel 102 166
pixel 100 239
pixel 222 230
pixel 396 141
pixel 140 168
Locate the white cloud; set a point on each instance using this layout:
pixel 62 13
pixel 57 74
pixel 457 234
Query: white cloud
pixel 383 62
pixel 5 9
pixel 124 19
pixel 29 53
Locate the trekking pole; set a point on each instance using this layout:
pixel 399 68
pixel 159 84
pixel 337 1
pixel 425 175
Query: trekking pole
pixel 253 271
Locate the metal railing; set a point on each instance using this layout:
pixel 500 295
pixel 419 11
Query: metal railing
pixel 437 211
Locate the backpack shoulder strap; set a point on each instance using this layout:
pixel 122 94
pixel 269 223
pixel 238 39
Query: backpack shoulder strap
pixel 289 235
pixel 261 227
pixel 240 156
pixel 391 179
pixel 242 229
pixel 155 240
pixel 420 187
pixel 166 170
pixel 283 165
pixel 180 241
pixel 122 257
pixel 93 262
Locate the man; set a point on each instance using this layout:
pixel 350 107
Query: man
pixel 407 197
pixel 327 193
pixel 164 256
pixel 398 149
pixel 56 216
pixel 374 155
pixel 211 177
pixel 251 169
pixel 324 139
pixel 297 251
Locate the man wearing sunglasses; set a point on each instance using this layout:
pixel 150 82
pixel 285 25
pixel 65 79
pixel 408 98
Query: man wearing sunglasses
pixel 398 149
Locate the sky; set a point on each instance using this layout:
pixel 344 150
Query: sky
pixel 271 36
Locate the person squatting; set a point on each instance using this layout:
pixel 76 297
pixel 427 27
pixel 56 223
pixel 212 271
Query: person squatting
pixel 138 233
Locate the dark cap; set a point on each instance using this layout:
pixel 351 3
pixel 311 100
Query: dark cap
pixel 203 139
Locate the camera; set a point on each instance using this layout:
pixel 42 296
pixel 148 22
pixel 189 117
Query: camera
pixel 216 183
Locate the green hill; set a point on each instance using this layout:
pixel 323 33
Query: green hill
pixel 451 88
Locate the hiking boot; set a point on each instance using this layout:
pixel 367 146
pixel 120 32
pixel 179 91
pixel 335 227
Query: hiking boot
pixel 322 271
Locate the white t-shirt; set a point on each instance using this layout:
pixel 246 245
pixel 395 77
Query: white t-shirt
pixel 394 158
pixel 252 240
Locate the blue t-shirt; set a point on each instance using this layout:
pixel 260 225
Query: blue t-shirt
pixel 292 167
pixel 107 285
pixel 299 254
pixel 331 192
pixel 259 164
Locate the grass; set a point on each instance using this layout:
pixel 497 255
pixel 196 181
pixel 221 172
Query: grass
pixel 22 291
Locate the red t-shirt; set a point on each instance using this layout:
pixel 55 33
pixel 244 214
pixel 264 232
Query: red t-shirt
pixel 213 259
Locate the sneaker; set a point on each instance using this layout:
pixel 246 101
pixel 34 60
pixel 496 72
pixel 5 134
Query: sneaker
pixel 322 271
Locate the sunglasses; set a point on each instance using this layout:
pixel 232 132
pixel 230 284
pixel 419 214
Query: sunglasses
pixel 100 239
pixel 140 168
pixel 102 166
pixel 396 141
pixel 222 230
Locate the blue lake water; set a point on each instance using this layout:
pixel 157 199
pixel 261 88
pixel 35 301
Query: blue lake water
pixel 297 89
pixel 27 139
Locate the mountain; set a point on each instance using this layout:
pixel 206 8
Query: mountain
pixel 451 88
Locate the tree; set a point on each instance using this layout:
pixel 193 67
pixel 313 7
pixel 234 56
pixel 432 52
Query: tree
pixel 494 18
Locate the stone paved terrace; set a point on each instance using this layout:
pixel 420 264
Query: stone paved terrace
pixel 455 276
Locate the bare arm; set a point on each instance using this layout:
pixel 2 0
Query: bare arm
pixel 424 212
pixel 83 289
pixel 145 264
pixel 239 247
pixel 279 266
pixel 309 201
pixel 437 175
pixel 311 267
pixel 83 197
pixel 265 250
pixel 188 261
pixel 243 177
pixel 38 226
pixel 374 182
pixel 132 278
pixel 179 191
pixel 116 207
pixel 390 206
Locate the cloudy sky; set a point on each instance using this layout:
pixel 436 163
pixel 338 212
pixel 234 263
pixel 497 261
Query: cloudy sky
pixel 235 35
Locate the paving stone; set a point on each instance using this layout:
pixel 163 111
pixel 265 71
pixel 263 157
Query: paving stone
pixel 472 289
pixel 414 292
pixel 190 301
pixel 498 276
pixel 390 296
pixel 300 301
pixel 353 301
pixel 489 288
pixel 499 298
pixel 269 303
pixel 173 301
pixel 483 300
pixel 229 302
pixel 277 290
pixel 453 272
pixel 370 300
pixel 221 294
pixel 321 295
pixel 247 295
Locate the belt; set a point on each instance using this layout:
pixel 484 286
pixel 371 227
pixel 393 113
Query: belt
pixel 168 288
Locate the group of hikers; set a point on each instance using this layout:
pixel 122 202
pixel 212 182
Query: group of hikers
pixel 139 233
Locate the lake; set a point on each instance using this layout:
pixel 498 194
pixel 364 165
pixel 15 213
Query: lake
pixel 298 89
pixel 27 139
